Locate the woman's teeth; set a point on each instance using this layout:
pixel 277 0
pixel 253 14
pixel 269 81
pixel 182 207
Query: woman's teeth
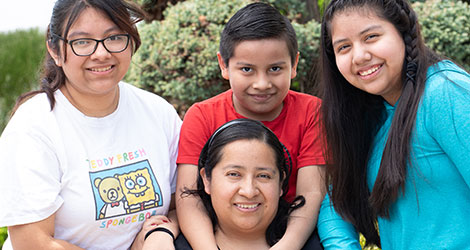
pixel 370 71
pixel 101 69
pixel 247 206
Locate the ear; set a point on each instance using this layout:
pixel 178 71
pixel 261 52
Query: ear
pixel 223 67
pixel 207 186
pixel 280 184
pixel 294 67
pixel 97 182
pixel 53 54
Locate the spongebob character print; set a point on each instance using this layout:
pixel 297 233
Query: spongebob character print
pixel 125 190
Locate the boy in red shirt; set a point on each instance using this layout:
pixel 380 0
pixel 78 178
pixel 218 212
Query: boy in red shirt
pixel 258 55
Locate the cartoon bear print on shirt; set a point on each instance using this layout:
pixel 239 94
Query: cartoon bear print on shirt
pixel 125 190
pixel 139 190
pixel 111 193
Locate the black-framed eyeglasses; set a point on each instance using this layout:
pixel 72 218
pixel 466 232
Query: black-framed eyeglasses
pixel 87 46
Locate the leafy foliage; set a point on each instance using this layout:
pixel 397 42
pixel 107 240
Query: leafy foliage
pixel 446 31
pixel 3 235
pixel 20 55
pixel 178 57
pixel 308 38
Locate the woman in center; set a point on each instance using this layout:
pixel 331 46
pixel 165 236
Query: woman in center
pixel 243 176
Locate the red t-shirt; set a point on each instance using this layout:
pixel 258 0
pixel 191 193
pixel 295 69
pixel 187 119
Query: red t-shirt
pixel 297 127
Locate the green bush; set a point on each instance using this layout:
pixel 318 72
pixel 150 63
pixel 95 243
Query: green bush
pixel 445 26
pixel 308 37
pixel 178 59
pixel 21 53
pixel 178 56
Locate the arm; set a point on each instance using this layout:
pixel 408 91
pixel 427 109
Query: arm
pixel 446 112
pixel 335 233
pixel 162 240
pixel 158 240
pixel 303 220
pixel 194 222
pixel 37 235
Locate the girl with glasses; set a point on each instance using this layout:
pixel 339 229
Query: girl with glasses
pixel 88 160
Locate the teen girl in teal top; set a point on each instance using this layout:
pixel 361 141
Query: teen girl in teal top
pixel 387 94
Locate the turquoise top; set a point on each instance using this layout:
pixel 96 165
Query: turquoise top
pixel 434 212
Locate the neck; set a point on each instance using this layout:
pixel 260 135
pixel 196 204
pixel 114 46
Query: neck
pixel 227 240
pixel 91 105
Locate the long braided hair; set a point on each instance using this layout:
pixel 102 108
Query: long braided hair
pixel 352 118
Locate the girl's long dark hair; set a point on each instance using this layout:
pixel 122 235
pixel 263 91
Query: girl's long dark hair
pixel 246 129
pixel 64 14
pixel 352 118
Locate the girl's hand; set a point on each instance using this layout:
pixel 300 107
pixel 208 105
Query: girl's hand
pixel 170 223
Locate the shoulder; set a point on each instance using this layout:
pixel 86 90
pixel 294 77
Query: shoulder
pixel 147 107
pixel 446 74
pixel 33 121
pixel 213 105
pixel 215 101
pixel 144 95
pixel 302 98
pixel 447 88
pixel 146 100
pixel 302 102
pixel 34 112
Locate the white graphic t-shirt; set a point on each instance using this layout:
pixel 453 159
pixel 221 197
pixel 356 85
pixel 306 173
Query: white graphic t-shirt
pixel 102 177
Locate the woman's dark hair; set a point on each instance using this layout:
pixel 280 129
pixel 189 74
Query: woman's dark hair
pixel 65 12
pixel 246 129
pixel 352 118
pixel 257 21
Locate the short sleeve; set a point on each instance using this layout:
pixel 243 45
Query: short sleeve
pixel 193 136
pixel 175 128
pixel 311 144
pixel 30 179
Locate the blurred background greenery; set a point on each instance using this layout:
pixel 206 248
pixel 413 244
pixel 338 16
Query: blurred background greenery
pixel 180 38
pixel 21 53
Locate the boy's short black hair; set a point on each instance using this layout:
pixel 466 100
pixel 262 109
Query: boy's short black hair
pixel 257 21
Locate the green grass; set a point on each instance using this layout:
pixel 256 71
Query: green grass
pixel 3 235
pixel 21 54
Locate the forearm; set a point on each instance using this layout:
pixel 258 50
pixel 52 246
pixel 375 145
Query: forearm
pixel 37 235
pixel 160 241
pixel 195 224
pixel 155 239
pixel 302 221
pixel 336 233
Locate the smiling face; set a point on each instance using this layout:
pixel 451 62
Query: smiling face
pixel 259 72
pixel 96 75
pixel 244 187
pixel 369 52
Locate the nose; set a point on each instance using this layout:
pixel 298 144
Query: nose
pixel 101 52
pixel 262 82
pixel 248 188
pixel 360 54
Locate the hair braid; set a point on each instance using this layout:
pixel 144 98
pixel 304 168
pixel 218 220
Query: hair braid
pixel 393 168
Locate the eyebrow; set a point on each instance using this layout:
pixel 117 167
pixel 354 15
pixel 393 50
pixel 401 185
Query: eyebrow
pixel 82 33
pixel 257 168
pixel 250 64
pixel 372 27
